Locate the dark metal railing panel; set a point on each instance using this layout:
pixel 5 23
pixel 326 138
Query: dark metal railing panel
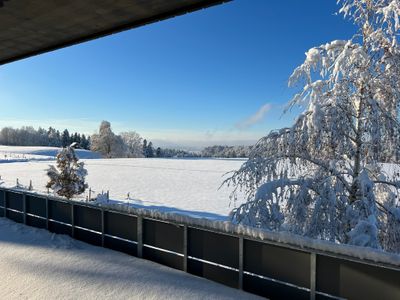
pixel 14 201
pixel 272 289
pixel 165 258
pixel 214 247
pixel 2 196
pixel 277 262
pixel 328 284
pixel 120 225
pixel 89 237
pixel 87 217
pixel 36 206
pixel 60 211
pixel 163 235
pixel 60 228
pixel 356 281
pixel 15 216
pixel 120 245
pixel 35 222
pixel 213 272
pixel 266 267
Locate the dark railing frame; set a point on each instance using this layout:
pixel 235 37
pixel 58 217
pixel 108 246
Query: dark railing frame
pixel 265 267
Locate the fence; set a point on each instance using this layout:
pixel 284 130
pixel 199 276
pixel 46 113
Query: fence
pixel 267 268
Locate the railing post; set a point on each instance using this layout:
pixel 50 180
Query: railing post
pixel 72 220
pixel 47 213
pixel 5 203
pixel 313 275
pixel 24 207
pixel 140 236
pixel 102 227
pixel 240 286
pixel 185 248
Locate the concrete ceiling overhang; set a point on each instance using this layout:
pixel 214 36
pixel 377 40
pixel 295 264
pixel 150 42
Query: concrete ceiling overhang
pixel 31 27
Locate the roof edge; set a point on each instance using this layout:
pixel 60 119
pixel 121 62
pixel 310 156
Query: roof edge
pixel 117 29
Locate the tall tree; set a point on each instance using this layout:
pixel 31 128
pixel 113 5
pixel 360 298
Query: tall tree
pixel 150 150
pixel 65 138
pixel 106 142
pixel 145 148
pixel 84 142
pixel 158 152
pixel 323 177
pixel 133 143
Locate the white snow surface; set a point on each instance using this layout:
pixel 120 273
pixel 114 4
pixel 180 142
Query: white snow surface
pixel 185 186
pixel 40 153
pixel 37 264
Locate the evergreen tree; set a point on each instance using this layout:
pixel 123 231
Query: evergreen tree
pixel 145 148
pixel 84 142
pixel 51 136
pixel 65 138
pixel 150 150
pixel 158 152
pixel 89 143
pixel 68 178
pixel 58 139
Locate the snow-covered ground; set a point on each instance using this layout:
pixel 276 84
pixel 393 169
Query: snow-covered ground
pixel 188 186
pixel 18 153
pixel 36 264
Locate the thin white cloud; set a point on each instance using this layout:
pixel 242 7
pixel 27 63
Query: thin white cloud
pixel 255 118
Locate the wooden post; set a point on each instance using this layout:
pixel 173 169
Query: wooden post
pixel 313 273
pixel 240 285
pixel 140 236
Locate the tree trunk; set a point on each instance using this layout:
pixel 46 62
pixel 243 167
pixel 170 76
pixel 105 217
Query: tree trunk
pixel 357 159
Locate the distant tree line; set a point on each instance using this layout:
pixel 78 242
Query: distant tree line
pixel 171 153
pixel 129 144
pixel 226 151
pixel 29 136
pixel 110 145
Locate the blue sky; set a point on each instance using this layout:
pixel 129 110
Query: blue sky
pixel 214 76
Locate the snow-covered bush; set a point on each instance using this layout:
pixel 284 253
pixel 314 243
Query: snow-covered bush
pixel 324 176
pixel 68 178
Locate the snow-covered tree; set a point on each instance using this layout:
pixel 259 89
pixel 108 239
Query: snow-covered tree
pixel 106 142
pixel 65 138
pixel 150 150
pixel 68 178
pixel 324 176
pixel 133 143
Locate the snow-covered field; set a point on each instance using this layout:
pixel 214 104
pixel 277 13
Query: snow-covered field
pixel 188 186
pixel 17 153
pixel 36 264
